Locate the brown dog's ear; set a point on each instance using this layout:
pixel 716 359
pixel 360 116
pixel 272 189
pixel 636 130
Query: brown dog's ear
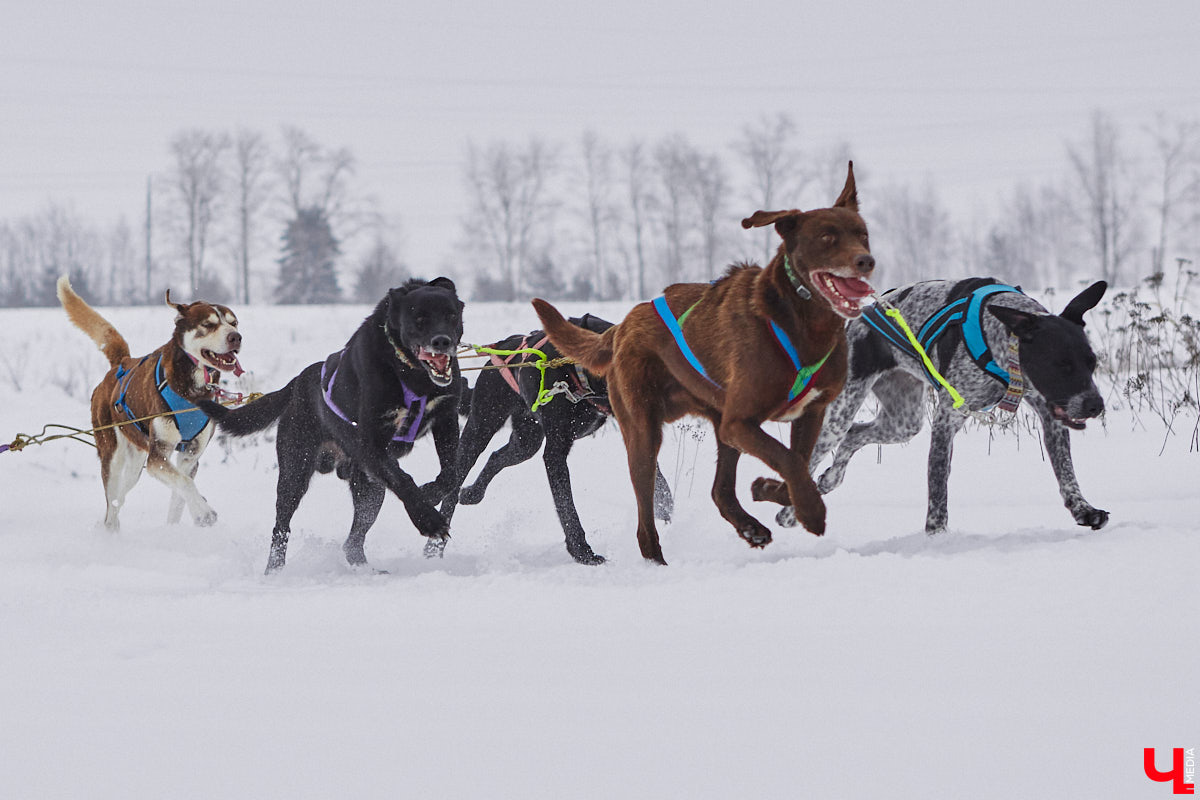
pixel 849 196
pixel 784 221
pixel 178 307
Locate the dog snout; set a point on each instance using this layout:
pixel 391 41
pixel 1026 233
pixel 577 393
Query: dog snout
pixel 234 339
pixel 1092 406
pixel 865 263
pixel 441 344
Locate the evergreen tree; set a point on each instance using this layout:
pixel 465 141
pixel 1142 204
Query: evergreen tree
pixel 307 267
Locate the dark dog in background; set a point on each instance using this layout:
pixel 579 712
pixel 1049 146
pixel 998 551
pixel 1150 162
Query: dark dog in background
pixel 760 343
pixel 172 378
pixel 361 409
pixel 971 327
pixel 579 407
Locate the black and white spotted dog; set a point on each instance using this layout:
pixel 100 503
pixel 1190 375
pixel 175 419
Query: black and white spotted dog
pixel 971 330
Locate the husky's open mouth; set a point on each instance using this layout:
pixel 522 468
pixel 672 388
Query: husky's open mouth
pixel 438 365
pixel 226 362
pixel 846 295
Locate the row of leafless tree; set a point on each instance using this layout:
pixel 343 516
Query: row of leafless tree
pixel 606 220
pixel 238 217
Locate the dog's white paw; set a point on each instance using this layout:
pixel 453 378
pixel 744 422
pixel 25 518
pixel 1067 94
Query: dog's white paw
pixel 435 548
pixel 786 518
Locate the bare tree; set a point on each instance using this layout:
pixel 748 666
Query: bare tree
pixel 599 211
pixel 251 182
pixel 912 236
pixel 768 152
pixel 197 178
pixel 1103 176
pixel 509 201
pixel 673 164
pixel 1177 153
pixel 709 187
pixel 636 167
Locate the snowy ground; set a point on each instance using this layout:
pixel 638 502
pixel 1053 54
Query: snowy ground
pixel 1018 656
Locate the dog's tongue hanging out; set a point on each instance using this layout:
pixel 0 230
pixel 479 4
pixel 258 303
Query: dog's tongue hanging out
pixel 846 295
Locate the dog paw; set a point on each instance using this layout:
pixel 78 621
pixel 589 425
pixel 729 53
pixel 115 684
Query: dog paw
pixel 755 534
pixel 470 495
pixel 585 555
pixel 767 489
pixel 355 556
pixel 786 517
pixel 435 548
pixel 1093 518
pixel 814 524
pixel 206 518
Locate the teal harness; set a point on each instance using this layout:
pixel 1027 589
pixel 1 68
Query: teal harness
pixel 804 375
pixel 964 312
pixel 190 424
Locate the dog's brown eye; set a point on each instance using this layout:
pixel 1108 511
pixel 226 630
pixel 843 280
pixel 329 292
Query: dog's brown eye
pixel 828 238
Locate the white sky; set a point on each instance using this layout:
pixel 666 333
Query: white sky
pixel 971 98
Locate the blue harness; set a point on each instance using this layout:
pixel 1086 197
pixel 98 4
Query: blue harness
pixel 962 312
pixel 804 375
pixel 190 424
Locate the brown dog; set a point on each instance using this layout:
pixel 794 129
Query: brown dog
pixel 759 344
pixel 171 378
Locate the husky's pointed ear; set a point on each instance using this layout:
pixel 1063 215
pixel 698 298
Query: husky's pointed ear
pixel 444 283
pixel 784 221
pixel 1084 301
pixel 849 196
pixel 177 307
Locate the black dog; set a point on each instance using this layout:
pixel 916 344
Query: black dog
pixel 578 408
pixel 362 408
pixel 986 357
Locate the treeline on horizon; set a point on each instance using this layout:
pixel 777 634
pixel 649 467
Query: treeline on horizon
pixel 238 218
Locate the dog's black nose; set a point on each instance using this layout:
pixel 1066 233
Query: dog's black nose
pixel 1093 406
pixel 864 263
pixel 234 339
pixel 441 343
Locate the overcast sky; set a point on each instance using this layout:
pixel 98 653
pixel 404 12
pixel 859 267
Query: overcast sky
pixel 972 97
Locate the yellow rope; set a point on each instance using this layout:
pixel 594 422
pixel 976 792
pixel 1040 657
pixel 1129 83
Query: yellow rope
pixel 894 313
pixel 541 362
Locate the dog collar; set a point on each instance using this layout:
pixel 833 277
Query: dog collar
pixel 404 359
pixel 800 288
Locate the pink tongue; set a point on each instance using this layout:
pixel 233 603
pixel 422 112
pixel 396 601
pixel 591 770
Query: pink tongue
pixel 237 367
pixel 852 287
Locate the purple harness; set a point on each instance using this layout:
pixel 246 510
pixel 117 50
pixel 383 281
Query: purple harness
pixel 411 400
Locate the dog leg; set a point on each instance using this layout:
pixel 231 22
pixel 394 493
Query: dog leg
pixel 368 499
pixel 188 463
pixel 642 433
pixel 163 438
pixel 1058 448
pixel 296 452
pixel 946 423
pixel 664 501
pixel 120 472
pixel 839 418
pixel 477 433
pixel 724 495
pixel 523 444
pixel 555 458
pixel 748 437
pixel 901 415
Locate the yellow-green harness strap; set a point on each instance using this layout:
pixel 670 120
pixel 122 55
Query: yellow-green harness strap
pixel 541 362
pixel 894 313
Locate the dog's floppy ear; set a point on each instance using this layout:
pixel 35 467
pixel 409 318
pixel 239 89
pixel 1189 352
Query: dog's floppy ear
pixel 1084 301
pixel 1020 323
pixel 784 221
pixel 444 283
pixel 178 307
pixel 849 196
